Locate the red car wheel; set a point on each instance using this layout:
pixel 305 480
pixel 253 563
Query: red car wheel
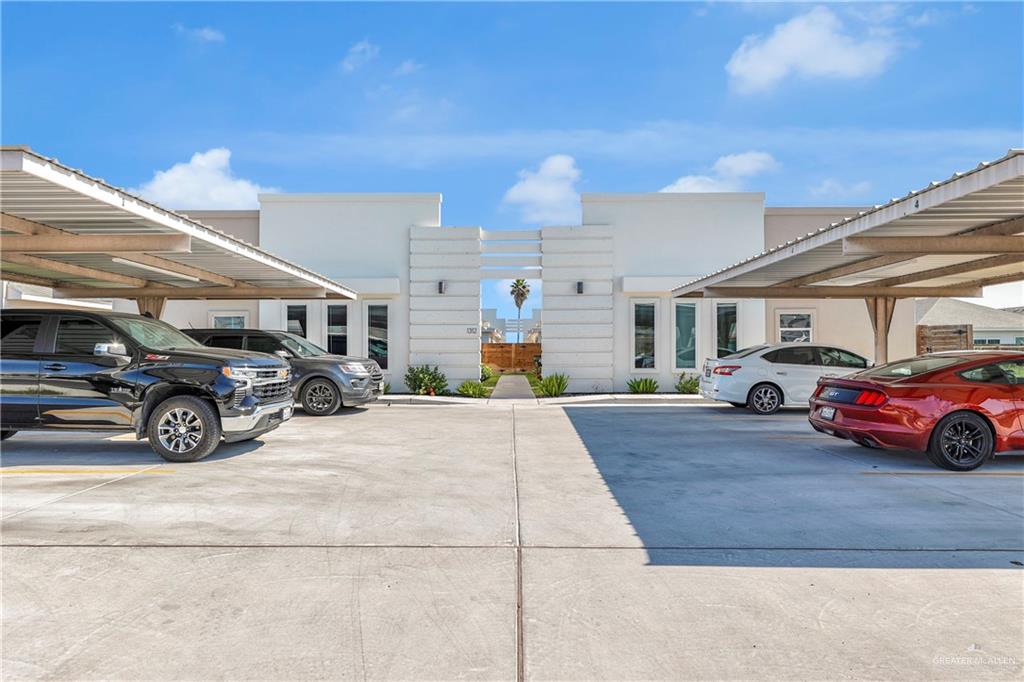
pixel 961 442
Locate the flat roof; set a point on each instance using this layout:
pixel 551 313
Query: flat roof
pixel 984 203
pixel 43 201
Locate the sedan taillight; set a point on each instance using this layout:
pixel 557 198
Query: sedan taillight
pixel 870 398
pixel 726 370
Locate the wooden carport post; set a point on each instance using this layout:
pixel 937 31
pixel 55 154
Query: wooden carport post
pixel 880 310
pixel 154 305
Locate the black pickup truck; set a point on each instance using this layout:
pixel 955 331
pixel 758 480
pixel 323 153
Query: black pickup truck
pixel 118 372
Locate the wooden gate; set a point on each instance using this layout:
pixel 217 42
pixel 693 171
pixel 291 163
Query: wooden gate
pixel 510 357
pixel 938 338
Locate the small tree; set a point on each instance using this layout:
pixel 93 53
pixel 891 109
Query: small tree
pixel 520 291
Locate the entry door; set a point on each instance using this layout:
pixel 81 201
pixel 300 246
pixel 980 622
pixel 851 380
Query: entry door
pixel 80 389
pixel 19 370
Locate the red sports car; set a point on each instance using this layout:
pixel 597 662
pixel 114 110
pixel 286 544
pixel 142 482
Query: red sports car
pixel 961 408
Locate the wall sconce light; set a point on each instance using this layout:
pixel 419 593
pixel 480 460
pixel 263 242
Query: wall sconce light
pixel 442 286
pixel 579 287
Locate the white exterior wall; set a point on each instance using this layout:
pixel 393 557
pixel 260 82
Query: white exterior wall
pixel 660 242
pixel 361 240
pixel 577 332
pixel 444 329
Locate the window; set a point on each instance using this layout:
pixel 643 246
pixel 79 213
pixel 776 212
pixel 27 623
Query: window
pixel 297 320
pixel 19 334
pixel 686 335
pixel 986 342
pixel 1010 372
pixel 229 319
pixel 377 334
pixel 913 367
pixel 644 314
pixel 225 341
pixel 153 334
pixel 337 329
pixel 261 343
pixel 725 328
pixel 836 357
pixel 80 336
pixel 793 356
pixel 795 326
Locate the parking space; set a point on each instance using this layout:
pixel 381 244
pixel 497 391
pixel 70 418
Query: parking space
pixel 490 542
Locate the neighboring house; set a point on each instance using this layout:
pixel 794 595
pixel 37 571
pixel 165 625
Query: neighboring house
pixel 530 327
pixel 991 326
pixel 492 327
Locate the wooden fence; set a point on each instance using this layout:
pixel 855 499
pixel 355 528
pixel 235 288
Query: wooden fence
pixel 510 357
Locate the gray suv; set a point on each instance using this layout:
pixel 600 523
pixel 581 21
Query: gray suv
pixel 322 382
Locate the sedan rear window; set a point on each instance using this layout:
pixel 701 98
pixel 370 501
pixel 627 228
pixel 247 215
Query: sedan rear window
pixel 744 352
pixel 911 368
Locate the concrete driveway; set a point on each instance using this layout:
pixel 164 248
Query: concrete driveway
pixel 493 542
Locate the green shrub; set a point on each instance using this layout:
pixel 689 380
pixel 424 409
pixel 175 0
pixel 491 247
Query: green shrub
pixel 554 385
pixel 387 388
pixel 426 380
pixel 642 385
pixel 472 389
pixel 689 385
pixel 486 372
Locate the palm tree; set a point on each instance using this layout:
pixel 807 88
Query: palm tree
pixel 520 291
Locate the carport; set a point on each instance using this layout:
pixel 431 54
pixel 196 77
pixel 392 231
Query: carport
pixel 949 239
pixel 87 239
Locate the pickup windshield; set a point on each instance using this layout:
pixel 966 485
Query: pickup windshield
pixel 154 334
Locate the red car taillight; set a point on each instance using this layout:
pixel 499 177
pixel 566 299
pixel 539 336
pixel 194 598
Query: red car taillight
pixel 870 398
pixel 817 392
pixel 725 370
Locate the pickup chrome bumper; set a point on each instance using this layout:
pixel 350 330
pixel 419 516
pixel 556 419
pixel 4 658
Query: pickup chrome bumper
pixel 247 422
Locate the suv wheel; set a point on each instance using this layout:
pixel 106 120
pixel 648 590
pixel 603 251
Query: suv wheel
pixel 4 435
pixel 320 398
pixel 183 429
pixel 961 442
pixel 764 399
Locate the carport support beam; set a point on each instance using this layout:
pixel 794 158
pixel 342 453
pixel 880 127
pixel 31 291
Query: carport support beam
pixel 880 310
pixel 152 305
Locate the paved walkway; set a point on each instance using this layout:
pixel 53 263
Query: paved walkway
pixel 513 386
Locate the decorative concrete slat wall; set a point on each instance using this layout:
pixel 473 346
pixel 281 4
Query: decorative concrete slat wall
pixel 444 329
pixel 577 339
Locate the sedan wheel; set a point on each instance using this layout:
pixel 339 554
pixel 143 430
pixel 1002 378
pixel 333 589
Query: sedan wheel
pixel 321 398
pixel 765 399
pixel 961 442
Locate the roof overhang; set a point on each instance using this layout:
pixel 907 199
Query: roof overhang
pixel 88 239
pixel 951 238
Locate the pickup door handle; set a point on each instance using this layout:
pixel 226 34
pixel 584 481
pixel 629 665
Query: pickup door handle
pixel 55 367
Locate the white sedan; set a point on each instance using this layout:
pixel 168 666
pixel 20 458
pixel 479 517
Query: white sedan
pixel 765 378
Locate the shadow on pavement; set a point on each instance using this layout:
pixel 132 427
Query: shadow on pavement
pixel 714 486
pixel 88 449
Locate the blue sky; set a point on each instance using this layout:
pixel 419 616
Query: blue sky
pixel 510 110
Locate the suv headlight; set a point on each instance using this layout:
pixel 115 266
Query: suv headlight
pixel 352 368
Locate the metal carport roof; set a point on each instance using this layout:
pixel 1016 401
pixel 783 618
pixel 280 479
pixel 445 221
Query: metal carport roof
pixel 88 239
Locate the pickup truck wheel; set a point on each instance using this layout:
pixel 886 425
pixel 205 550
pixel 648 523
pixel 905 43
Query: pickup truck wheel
pixel 184 429
pixel 320 398
pixel 4 435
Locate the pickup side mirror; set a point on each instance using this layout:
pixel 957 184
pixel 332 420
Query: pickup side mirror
pixel 283 353
pixel 117 350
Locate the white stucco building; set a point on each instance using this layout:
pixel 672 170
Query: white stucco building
pixel 608 313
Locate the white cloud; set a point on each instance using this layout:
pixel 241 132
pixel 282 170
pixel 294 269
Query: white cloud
pixel 834 189
pixel 205 181
pixel 203 34
pixel 359 55
pixel 548 195
pixel 408 67
pixel 814 44
pixel 728 173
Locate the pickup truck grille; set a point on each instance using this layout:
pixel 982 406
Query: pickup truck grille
pixel 271 391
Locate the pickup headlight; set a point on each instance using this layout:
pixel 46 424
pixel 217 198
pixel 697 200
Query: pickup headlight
pixel 239 373
pixel 351 368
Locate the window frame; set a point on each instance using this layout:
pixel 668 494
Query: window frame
pixel 366 329
pixel 779 312
pixel 305 307
pixel 633 302
pixel 676 369
pixel 212 316
pixel 348 327
pixel 714 326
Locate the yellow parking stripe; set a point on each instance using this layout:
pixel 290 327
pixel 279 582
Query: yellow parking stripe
pixel 84 472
